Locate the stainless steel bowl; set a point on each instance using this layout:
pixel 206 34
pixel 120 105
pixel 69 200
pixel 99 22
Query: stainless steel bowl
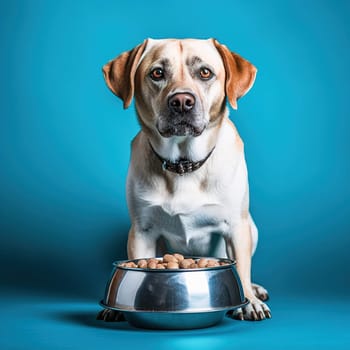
pixel 174 299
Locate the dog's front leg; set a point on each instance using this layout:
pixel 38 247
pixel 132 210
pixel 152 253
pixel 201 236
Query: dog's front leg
pixel 241 248
pixel 141 244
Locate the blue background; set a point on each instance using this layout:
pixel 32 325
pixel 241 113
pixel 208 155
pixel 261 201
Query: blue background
pixel 64 153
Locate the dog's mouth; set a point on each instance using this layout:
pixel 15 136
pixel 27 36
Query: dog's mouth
pixel 182 128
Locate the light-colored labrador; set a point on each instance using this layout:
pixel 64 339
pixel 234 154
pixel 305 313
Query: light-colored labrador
pixel 187 186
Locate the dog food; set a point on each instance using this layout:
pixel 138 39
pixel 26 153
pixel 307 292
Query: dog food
pixel 172 262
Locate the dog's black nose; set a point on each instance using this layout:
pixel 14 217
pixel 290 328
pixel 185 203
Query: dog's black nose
pixel 181 103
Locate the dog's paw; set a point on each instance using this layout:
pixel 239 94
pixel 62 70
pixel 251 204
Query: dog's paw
pixel 256 310
pixel 108 315
pixel 260 292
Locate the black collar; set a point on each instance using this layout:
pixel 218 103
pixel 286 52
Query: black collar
pixel 183 165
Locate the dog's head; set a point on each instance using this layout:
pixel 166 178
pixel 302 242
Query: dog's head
pixel 180 86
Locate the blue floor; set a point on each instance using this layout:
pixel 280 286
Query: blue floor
pixel 37 323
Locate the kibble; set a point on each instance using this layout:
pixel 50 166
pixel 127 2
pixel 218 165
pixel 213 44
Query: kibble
pixel 202 262
pixel 169 258
pixel 142 264
pixel 172 265
pixel 212 263
pixel 173 262
pixel 186 263
pixel 129 264
pixel 152 265
pixel 179 257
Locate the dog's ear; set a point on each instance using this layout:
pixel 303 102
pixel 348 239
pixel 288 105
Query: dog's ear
pixel 240 74
pixel 119 73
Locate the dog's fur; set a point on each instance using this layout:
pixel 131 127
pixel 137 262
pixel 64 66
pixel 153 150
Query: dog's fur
pixel 205 212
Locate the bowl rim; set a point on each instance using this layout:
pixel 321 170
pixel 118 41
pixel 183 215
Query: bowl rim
pixel 194 311
pixel 230 263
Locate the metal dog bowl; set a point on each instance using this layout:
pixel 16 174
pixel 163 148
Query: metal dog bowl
pixel 174 299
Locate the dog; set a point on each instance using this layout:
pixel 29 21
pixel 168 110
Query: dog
pixel 187 185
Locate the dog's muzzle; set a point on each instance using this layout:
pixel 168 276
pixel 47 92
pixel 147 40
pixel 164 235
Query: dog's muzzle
pixel 182 116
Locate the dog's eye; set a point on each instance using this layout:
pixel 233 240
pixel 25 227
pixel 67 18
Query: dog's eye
pixel 157 74
pixel 205 73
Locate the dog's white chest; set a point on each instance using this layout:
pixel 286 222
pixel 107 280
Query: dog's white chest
pixel 189 220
